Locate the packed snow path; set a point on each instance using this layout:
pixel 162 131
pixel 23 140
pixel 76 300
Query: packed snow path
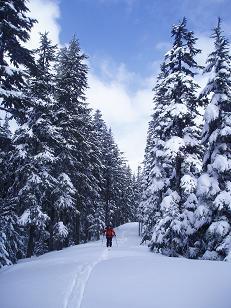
pixel 127 276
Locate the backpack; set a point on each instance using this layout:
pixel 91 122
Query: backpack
pixel 110 232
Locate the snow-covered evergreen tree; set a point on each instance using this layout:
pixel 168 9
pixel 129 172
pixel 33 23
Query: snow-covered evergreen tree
pixel 131 195
pixel 138 197
pixel 15 59
pixel 117 197
pixel 127 201
pixel 157 170
pixel 5 150
pixel 173 148
pixel 63 213
pixel 74 157
pixel 96 217
pixel 111 176
pixel 42 84
pixel 10 233
pixel 214 186
pixel 35 143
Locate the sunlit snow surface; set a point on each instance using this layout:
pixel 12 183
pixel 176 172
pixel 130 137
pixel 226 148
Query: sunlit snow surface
pixel 127 276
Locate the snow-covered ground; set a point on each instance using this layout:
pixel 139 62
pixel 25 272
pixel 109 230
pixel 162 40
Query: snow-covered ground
pixel 127 276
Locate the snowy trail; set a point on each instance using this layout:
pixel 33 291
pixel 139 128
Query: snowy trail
pixel 91 276
pixel 74 299
pixel 54 280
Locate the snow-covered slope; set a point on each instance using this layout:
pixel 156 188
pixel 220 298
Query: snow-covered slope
pixel 127 276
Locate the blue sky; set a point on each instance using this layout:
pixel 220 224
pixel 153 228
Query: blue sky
pixel 126 41
pixel 131 31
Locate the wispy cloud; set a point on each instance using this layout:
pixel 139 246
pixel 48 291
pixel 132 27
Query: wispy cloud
pixel 126 112
pixel 129 4
pixel 47 12
pixel 163 46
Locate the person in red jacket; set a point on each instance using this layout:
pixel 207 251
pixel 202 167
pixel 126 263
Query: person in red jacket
pixel 109 232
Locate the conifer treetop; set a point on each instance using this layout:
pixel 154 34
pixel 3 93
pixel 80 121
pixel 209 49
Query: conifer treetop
pixel 219 64
pixel 15 59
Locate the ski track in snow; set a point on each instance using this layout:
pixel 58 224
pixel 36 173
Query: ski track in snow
pixel 73 278
pixel 75 296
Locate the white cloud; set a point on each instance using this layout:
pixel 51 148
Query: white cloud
pixel 112 99
pixel 127 2
pixel 226 26
pixel 126 112
pixel 112 71
pixel 163 46
pixel 205 43
pixel 47 13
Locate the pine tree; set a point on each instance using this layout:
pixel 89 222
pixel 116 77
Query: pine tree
pixel 6 148
pixel 74 119
pixel 174 148
pixel 116 203
pixel 42 84
pixel 214 186
pixel 117 198
pixel 111 176
pixel 35 143
pixel 63 213
pixel 97 215
pixel 15 59
pixel 157 170
pixel 10 233
pixel 127 202
pixel 138 189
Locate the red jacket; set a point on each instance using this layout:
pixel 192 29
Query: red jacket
pixel 109 232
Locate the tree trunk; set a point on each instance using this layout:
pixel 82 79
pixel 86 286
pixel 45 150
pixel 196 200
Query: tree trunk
pixel 140 228
pixel 77 230
pixel 51 230
pixel 178 176
pixel 30 244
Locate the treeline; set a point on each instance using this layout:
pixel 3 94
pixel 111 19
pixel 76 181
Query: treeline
pixel 186 200
pixel 62 175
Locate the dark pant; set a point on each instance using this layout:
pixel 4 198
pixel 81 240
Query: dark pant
pixel 109 241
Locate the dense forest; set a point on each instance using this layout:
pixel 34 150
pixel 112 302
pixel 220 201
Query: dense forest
pixel 63 177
